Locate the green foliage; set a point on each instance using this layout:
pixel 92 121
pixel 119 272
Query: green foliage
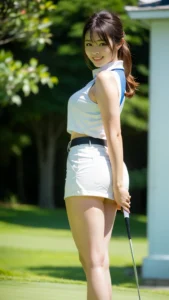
pixel 72 15
pixel 12 142
pixel 138 179
pixel 11 199
pixel 135 113
pixel 16 77
pixel 27 21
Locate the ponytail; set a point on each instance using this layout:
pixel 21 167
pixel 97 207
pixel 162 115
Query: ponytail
pixel 125 55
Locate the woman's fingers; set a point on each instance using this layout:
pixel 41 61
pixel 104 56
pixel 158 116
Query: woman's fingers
pixel 126 209
pixel 123 199
pixel 128 199
pixel 126 206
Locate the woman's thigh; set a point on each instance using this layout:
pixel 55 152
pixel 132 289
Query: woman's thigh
pixel 110 209
pixel 87 223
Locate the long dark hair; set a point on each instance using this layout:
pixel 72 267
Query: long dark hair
pixel 107 24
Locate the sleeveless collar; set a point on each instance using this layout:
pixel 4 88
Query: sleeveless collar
pixel 118 64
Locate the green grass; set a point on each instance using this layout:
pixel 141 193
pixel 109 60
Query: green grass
pixel 49 291
pixel 37 246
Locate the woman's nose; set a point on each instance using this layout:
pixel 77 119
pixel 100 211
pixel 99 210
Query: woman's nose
pixel 95 52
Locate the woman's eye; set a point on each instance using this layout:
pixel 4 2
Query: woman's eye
pixel 102 44
pixel 88 44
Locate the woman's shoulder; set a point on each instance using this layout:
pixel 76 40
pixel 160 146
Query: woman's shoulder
pixel 105 76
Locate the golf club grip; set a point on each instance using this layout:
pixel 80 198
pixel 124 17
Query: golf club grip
pixel 125 213
pixel 128 227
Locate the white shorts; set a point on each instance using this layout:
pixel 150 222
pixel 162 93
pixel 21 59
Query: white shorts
pixel 89 172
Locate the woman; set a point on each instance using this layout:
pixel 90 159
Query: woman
pixel 97 179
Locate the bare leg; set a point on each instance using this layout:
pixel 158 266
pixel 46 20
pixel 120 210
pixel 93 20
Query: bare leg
pixel 110 209
pixel 87 222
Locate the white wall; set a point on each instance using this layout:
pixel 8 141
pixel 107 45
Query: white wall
pixel 156 265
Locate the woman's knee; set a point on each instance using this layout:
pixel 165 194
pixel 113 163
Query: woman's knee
pixel 94 260
pixel 106 261
pixel 81 260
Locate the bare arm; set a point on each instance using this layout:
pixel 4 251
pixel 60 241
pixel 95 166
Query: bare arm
pixel 107 96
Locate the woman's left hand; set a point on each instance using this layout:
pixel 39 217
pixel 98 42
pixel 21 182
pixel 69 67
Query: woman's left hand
pixel 122 198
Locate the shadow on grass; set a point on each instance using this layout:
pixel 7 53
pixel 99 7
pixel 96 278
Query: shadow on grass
pixel 35 217
pixel 30 216
pixel 119 275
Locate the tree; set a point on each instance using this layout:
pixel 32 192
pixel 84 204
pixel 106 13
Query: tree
pixel 16 77
pixel 12 144
pixel 27 22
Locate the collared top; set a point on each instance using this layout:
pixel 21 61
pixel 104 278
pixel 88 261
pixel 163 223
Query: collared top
pixel 84 115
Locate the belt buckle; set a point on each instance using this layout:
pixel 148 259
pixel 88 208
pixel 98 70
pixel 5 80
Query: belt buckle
pixel 68 146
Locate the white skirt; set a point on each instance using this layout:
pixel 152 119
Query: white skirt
pixel 89 172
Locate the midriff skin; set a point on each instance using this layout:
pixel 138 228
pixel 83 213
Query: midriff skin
pixel 76 134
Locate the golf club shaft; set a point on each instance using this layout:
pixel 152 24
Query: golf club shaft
pixel 126 218
pixel 135 269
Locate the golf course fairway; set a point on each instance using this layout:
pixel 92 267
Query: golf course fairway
pixel 14 290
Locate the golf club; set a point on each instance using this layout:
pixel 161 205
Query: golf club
pixel 126 218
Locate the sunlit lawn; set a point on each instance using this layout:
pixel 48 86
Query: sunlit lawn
pixel 36 245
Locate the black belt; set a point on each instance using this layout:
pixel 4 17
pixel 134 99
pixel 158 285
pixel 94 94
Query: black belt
pixel 86 140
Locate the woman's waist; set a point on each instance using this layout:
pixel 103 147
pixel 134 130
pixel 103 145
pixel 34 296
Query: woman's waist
pixel 76 129
pixel 86 140
pixel 76 135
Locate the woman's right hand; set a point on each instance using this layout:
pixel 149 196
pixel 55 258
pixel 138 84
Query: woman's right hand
pixel 122 198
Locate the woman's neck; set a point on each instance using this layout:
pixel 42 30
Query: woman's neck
pixel 109 66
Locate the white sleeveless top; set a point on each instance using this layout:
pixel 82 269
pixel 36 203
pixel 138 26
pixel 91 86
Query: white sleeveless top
pixel 83 114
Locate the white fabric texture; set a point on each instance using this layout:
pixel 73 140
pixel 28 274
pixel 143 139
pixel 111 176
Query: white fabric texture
pixel 89 172
pixel 83 114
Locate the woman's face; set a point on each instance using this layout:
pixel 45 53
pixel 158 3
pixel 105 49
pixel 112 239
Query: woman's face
pixel 98 51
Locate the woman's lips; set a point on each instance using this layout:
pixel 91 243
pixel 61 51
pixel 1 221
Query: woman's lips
pixel 97 58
